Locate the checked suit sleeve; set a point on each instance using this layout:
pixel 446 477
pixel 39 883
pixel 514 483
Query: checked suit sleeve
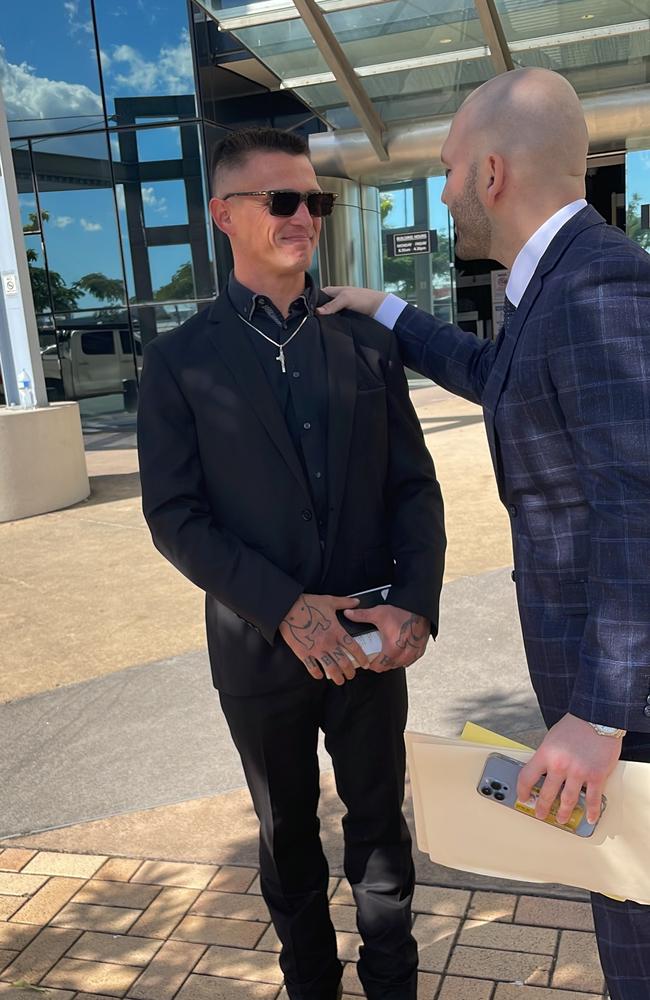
pixel 455 359
pixel 601 369
pixel 178 513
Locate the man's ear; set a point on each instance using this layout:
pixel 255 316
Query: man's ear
pixel 220 212
pixel 496 178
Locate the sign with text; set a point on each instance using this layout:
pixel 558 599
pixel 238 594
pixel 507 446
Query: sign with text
pixel 498 281
pixel 411 241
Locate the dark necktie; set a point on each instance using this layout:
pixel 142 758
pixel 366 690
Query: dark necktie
pixel 508 312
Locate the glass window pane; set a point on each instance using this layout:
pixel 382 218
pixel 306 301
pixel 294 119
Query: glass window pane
pixel 637 188
pixel 603 45
pixel 97 366
pixel 49 68
pixel 158 144
pixel 79 221
pixel 146 59
pixel 164 203
pixel 148 204
pixel 149 321
pixel 171 273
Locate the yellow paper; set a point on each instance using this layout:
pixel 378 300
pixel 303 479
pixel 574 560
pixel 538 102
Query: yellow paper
pixel 473 733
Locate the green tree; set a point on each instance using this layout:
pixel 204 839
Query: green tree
pixel 400 271
pixel 633 222
pixel 64 298
pixel 105 289
pixel 181 285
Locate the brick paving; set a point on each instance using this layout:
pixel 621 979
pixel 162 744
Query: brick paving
pixel 89 927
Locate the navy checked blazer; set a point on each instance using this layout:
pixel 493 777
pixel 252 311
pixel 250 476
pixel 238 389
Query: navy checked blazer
pixel 566 399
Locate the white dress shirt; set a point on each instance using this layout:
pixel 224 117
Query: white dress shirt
pixel 522 271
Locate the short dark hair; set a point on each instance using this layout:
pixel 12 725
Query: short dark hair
pixel 233 151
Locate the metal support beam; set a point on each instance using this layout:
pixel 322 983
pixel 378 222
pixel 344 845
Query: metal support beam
pixel 494 35
pixel 348 81
pixel 19 345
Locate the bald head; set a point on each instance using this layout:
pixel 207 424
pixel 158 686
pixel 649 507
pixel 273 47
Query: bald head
pixel 533 117
pixel 515 154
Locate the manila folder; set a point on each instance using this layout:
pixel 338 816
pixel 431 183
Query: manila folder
pixel 459 828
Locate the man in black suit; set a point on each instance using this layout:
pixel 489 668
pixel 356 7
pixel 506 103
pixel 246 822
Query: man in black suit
pixel 282 464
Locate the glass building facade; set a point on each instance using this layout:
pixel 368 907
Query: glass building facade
pixel 114 108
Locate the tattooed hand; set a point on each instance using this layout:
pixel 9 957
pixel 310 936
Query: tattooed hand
pixel 404 635
pixel 314 633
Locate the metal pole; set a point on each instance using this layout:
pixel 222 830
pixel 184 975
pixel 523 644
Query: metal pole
pixel 19 344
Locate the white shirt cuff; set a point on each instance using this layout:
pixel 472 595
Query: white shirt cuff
pixel 390 310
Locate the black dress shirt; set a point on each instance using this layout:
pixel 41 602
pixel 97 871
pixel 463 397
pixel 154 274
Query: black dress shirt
pixel 301 391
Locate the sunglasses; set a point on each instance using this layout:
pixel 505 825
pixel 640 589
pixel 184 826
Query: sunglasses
pixel 286 203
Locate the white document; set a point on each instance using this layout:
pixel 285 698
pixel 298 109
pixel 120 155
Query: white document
pixel 456 827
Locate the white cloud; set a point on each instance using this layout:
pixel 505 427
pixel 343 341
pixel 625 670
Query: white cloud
pixel 90 227
pixel 157 204
pixel 170 73
pixel 33 98
pixel 71 8
pixel 62 221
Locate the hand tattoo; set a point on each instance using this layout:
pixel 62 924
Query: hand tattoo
pixel 306 624
pixel 412 633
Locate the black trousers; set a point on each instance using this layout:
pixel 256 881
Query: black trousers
pixel 277 738
pixel 623 929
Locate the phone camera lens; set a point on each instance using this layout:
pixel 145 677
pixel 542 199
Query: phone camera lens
pixel 496 785
pixel 499 796
pixel 486 790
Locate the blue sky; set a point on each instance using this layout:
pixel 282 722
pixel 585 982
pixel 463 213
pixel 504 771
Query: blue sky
pixel 401 214
pixel 48 71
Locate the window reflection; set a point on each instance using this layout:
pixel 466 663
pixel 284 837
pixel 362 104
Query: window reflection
pixel 96 358
pixel 146 53
pixel 637 187
pixel 162 205
pixel 79 224
pixel 48 67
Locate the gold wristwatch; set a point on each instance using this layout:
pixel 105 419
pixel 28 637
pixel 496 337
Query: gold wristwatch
pixel 618 734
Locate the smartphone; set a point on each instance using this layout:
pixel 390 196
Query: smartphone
pixel 365 633
pixel 498 783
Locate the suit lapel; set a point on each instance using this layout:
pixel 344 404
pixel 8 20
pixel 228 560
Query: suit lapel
pixel 342 390
pixel 583 219
pixel 233 347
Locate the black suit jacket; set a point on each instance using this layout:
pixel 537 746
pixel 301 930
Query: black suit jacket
pixel 225 496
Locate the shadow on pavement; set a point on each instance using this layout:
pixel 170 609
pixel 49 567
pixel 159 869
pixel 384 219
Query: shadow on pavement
pixel 105 489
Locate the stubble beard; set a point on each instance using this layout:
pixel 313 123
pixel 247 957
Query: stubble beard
pixel 473 227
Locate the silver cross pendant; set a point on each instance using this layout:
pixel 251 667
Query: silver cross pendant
pixel 280 358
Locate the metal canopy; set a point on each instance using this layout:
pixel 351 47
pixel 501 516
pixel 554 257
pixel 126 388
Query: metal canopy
pixel 375 66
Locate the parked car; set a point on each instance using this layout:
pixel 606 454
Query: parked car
pixel 92 361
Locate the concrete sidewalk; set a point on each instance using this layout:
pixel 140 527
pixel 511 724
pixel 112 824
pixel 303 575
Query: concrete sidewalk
pixel 128 864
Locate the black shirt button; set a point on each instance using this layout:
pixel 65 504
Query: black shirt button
pixel 306 425
pixel 307 515
pixel 646 711
pixel 648 699
pixel 319 474
pixel 296 374
pixel 513 510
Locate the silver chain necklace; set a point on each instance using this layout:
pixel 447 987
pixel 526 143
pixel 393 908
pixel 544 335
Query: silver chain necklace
pixel 275 343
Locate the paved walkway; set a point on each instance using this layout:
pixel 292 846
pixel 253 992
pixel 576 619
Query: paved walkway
pixel 128 864
pixel 87 926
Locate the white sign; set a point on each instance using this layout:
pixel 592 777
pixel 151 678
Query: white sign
pixel 498 280
pixel 10 283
